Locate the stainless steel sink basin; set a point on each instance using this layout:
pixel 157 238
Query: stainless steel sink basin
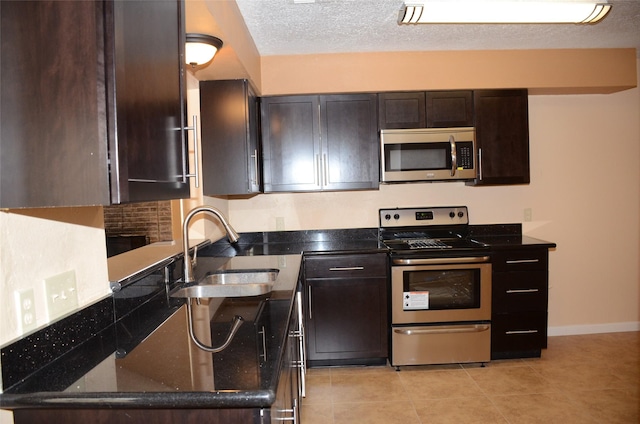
pixel 230 283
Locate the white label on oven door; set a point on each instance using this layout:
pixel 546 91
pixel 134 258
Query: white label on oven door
pixel 415 300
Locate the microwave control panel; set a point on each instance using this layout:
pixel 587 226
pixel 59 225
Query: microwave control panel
pixel 464 153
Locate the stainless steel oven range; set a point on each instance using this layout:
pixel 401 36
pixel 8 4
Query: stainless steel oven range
pixel 440 287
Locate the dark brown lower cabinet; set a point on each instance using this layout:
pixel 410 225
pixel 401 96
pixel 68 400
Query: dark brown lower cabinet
pixel 519 303
pixel 130 416
pixel 346 317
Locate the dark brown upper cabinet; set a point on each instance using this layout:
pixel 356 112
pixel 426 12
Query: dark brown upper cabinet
pixel 231 157
pixel 92 103
pixel 402 110
pixel 326 142
pixel 502 137
pixel 431 109
pixel 449 109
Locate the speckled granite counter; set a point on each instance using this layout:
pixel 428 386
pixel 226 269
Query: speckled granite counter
pixel 149 361
pixel 132 350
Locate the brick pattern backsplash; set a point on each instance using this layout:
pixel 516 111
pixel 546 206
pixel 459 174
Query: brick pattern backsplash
pixel 152 219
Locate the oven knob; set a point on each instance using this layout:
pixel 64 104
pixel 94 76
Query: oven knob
pixel 396 216
pixel 452 215
pixel 460 214
pixel 387 217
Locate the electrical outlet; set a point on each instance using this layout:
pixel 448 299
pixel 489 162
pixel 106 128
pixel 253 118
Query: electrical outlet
pixel 62 296
pixel 527 215
pixel 280 223
pixel 26 308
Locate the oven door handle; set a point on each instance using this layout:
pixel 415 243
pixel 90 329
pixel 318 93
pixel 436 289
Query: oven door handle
pixel 437 261
pixel 477 328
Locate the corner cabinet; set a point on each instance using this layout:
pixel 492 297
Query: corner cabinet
pixel 230 148
pixel 519 302
pixel 92 103
pixel 326 142
pixel 502 136
pixel 346 309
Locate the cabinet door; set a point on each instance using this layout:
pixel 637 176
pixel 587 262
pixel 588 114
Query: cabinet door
pixel 53 134
pixel 345 320
pixel 502 136
pixel 402 110
pixel 149 98
pixel 448 109
pixel 84 121
pixel 291 143
pixel 349 154
pixel 229 145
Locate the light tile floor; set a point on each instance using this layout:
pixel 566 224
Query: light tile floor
pixel 579 379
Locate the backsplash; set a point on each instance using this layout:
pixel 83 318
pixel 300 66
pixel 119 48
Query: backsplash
pixel 150 219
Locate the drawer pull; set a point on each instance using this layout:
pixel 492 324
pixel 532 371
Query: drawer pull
pixel 346 268
pixel 523 261
pixel 522 291
pixel 521 332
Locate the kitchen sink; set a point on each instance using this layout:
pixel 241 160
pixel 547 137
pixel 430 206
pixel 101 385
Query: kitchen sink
pixel 230 283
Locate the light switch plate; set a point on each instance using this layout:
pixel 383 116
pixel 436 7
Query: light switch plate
pixel 62 296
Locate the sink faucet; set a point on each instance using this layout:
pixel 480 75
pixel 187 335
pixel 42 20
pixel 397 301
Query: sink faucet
pixel 188 263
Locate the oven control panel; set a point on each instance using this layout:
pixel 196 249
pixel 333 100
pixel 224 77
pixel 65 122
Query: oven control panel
pixel 412 217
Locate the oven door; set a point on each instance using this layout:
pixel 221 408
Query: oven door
pixel 441 292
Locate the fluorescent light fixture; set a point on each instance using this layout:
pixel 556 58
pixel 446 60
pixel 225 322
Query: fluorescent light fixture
pixel 200 49
pixel 494 12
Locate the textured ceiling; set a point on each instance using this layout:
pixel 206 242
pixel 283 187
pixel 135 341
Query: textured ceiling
pixel 282 27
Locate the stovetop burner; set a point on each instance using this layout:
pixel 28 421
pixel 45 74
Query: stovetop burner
pixel 427 244
pixel 435 230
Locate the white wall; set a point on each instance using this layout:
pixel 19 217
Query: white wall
pixel 584 195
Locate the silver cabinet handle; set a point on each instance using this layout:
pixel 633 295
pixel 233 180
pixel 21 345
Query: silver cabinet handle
pixel 346 268
pixel 522 291
pixel 196 152
pixel 521 332
pixel 523 261
pixel 480 163
pixel 454 155
pixel 317 179
pixel 254 156
pixel 309 295
pixel 325 170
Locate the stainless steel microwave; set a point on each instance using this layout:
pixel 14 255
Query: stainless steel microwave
pixel 427 154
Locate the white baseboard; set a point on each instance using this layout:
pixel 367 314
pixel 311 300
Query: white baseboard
pixel 615 327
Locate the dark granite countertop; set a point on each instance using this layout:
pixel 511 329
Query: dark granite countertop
pixel 128 367
pixel 144 358
pixel 309 242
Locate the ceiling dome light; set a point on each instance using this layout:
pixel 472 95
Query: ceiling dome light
pixel 493 12
pixel 201 49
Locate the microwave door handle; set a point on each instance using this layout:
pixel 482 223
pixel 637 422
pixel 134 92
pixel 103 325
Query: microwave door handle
pixel 454 156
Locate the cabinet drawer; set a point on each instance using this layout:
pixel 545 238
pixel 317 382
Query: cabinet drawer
pixel 346 266
pixel 518 332
pixel 520 260
pixel 519 291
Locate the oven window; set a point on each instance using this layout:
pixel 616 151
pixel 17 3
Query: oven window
pixel 417 156
pixel 441 289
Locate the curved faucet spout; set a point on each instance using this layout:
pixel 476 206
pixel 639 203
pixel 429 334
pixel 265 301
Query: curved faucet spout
pixel 232 235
